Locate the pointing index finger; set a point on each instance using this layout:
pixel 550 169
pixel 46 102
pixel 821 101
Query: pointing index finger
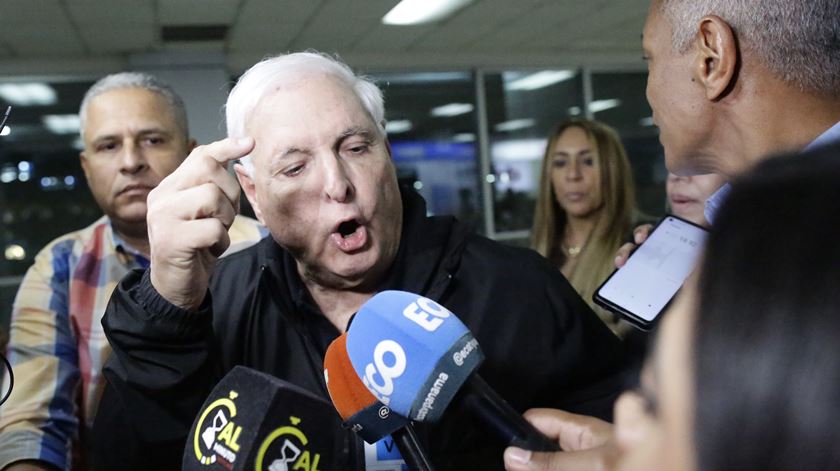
pixel 230 149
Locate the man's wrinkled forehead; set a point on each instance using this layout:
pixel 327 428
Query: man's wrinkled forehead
pixel 308 91
pixel 155 115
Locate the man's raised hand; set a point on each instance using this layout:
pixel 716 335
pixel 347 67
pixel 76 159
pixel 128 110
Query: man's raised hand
pixel 189 214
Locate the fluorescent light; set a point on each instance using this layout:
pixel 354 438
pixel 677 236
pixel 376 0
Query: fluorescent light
pixel 574 110
pixel 646 121
pixel 412 12
pixel 6 131
pixel 518 150
pixel 61 123
pixel 24 166
pixel 464 137
pixel 601 105
pixel 398 126
pixel 421 77
pixel 452 109
pixel 418 185
pixel 514 125
pixel 540 79
pixel 28 94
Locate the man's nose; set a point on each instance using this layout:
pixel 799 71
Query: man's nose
pixel 132 159
pixel 337 184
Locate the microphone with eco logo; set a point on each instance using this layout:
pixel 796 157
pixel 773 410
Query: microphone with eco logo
pixel 414 355
pixel 255 421
pixel 362 413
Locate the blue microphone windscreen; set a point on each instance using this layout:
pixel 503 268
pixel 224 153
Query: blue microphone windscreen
pixel 411 353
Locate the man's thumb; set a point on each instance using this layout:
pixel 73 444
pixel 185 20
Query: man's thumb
pixel 517 459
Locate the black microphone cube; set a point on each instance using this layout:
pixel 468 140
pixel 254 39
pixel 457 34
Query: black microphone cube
pixel 255 421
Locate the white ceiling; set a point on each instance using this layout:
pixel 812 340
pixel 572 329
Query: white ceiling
pixel 70 36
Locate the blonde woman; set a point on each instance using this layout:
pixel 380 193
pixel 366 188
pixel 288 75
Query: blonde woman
pixel 586 207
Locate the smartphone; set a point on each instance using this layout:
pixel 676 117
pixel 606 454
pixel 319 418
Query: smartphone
pixel 641 289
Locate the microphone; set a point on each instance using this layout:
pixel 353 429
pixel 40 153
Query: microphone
pixel 414 355
pixel 362 413
pixel 252 420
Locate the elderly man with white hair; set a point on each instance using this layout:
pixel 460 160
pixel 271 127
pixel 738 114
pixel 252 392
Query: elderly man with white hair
pixel 317 169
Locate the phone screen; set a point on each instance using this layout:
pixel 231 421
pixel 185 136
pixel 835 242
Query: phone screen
pixel 642 288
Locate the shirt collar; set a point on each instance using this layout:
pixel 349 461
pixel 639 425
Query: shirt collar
pixel 715 201
pixel 828 137
pixel 126 250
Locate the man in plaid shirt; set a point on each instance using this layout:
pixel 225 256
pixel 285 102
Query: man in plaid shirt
pixel 135 133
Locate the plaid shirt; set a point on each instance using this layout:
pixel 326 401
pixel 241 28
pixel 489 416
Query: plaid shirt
pixel 57 346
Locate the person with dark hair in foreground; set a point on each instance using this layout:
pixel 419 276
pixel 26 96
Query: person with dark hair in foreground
pixel 746 369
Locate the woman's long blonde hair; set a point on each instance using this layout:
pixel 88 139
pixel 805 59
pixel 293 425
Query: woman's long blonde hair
pixel 595 261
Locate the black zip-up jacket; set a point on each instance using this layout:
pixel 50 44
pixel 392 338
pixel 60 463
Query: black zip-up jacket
pixel 544 347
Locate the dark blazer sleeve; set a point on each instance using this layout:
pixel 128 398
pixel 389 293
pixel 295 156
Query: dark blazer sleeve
pixel 161 369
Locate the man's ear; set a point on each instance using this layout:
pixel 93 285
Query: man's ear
pixel 250 189
pixel 717 57
pixel 191 144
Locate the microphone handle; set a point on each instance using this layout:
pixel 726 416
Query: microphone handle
pixel 410 449
pixel 486 404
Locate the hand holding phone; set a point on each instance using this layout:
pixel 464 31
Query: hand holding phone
pixel 641 289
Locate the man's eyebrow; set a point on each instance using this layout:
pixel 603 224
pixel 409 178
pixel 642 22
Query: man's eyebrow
pixel 118 135
pixel 291 150
pixel 356 131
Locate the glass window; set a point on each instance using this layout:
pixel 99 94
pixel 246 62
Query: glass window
pixel 431 123
pixel 522 109
pixel 43 193
pixel 618 99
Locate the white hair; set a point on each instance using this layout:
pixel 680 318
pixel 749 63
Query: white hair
pixel 274 72
pixel 136 80
pixel 797 40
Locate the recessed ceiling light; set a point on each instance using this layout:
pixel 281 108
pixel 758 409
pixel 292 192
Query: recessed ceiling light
pixel 540 79
pixel 452 109
pixel 61 123
pixel 411 12
pixel 601 105
pixel 28 94
pixel 515 124
pixel 397 126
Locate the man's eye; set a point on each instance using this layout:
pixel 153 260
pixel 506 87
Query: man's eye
pixel 358 149
pixel 152 140
pixel 292 171
pixel 106 147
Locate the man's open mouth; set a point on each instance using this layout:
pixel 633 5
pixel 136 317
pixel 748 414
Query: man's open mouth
pixel 348 228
